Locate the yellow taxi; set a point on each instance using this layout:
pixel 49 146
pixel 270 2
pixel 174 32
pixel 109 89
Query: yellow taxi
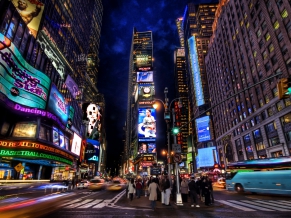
pixel 115 185
pixel 96 184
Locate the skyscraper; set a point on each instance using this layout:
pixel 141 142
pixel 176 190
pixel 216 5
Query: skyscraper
pixel 140 136
pixel 248 54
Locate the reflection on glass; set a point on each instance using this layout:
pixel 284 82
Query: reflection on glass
pixel 24 130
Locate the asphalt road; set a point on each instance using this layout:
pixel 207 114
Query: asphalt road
pixel 87 204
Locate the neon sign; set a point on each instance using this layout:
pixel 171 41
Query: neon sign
pixel 20 82
pixel 24 153
pixel 195 71
pixel 94 158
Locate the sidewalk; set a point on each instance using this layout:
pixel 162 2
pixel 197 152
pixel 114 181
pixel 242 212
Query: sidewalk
pixel 144 202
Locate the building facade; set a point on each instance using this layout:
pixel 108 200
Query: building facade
pixel 45 50
pixel 248 54
pixel 141 124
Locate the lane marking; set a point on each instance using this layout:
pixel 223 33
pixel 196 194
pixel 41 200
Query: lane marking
pixel 280 206
pixel 282 203
pixel 97 201
pixel 236 206
pixel 79 204
pixel 249 205
pixel 261 204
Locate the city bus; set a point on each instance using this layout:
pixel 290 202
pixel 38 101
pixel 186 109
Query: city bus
pixel 270 176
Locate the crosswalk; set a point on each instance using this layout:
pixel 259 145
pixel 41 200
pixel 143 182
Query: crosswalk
pixel 258 205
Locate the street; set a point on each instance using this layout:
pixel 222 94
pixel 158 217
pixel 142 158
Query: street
pixel 103 203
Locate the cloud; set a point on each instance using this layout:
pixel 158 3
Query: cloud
pixel 118 46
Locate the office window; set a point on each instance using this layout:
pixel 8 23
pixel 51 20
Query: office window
pixel 260 146
pixel 267 36
pixel 271 127
pixel 257 134
pixel 279 106
pixel 284 14
pixel 247 138
pixel 274 141
pixel 271 47
pixel 276 25
pixel 280 37
pixel 270 111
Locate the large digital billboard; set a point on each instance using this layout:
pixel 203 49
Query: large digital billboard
pixel 146 91
pixel 92 113
pixel 145 76
pixel 92 150
pixel 206 157
pixel 143 60
pixel 146 124
pixel 76 144
pixel 147 147
pixel 19 81
pixel 57 104
pixel 72 86
pixel 203 129
pixel 195 71
pixel 31 12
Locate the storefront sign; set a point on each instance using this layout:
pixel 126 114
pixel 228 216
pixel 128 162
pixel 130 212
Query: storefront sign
pixel 19 81
pixel 34 146
pixel 32 154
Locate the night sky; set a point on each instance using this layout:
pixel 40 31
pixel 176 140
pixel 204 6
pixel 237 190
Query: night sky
pixel 119 19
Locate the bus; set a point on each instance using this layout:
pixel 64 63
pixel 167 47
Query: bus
pixel 270 176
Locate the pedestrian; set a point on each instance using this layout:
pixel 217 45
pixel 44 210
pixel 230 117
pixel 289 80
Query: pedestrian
pixel 73 183
pixel 198 188
pixel 153 192
pixel 205 191
pixel 167 191
pixel 184 190
pixel 210 191
pixel 131 189
pixel 138 186
pixel 193 192
pixel 174 188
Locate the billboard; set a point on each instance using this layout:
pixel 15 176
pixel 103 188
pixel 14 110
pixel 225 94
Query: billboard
pixel 143 60
pixel 146 123
pixel 19 81
pixel 76 144
pixel 206 157
pixel 72 86
pixel 145 76
pixel 147 147
pixel 92 113
pixel 195 71
pixel 31 12
pixel 203 129
pixel 92 150
pixel 146 91
pixel 57 104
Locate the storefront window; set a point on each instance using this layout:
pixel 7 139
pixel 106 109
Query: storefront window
pixel 277 154
pixel 24 130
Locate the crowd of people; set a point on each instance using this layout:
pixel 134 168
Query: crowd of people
pixel 162 189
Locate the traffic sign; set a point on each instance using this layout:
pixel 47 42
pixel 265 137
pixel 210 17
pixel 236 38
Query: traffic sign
pixel 176 148
pixel 177 158
pixel 18 167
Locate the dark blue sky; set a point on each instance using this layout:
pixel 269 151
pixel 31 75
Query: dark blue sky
pixel 119 18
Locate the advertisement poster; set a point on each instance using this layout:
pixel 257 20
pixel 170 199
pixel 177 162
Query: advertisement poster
pixel 31 12
pixel 152 148
pixel 142 148
pixel 92 151
pixel 62 140
pixel 145 76
pixel 55 136
pixel 146 91
pixel 92 113
pixel 203 129
pixel 147 123
pixel 76 144
pixel 57 104
pixel 19 81
pixel 72 86
pixel 206 157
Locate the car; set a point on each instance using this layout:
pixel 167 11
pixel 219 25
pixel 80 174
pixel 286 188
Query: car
pixel 220 183
pixel 115 185
pixel 82 184
pixel 96 184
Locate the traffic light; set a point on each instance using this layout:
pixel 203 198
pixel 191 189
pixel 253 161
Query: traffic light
pixel 175 130
pixel 284 88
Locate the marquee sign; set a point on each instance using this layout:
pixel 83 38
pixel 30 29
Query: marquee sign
pixel 33 147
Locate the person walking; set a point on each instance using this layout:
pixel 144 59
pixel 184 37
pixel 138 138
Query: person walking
pixel 138 186
pixel 210 190
pixel 184 190
pixel 153 193
pixel 205 191
pixel 193 192
pixel 131 189
pixel 167 191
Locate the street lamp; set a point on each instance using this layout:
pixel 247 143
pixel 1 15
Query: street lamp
pixel 175 130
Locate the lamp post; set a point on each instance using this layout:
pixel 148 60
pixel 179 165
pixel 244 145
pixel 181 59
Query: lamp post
pixel 167 118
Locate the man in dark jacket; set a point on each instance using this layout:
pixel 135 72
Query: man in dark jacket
pixel 193 188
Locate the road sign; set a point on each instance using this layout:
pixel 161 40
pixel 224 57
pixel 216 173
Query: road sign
pixel 177 158
pixel 176 148
pixel 18 167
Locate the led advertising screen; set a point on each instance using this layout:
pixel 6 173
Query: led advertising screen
pixel 92 113
pixel 146 124
pixel 203 129
pixel 76 144
pixel 145 76
pixel 72 86
pixel 31 12
pixel 57 104
pixel 146 91
pixel 206 157
pixel 147 147
pixel 195 71
pixel 19 81
pixel 143 61
pixel 92 150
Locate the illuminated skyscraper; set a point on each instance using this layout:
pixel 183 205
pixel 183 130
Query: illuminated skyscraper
pixel 140 140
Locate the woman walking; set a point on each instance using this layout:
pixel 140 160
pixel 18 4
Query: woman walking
pixel 153 193
pixel 131 189
pixel 184 190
